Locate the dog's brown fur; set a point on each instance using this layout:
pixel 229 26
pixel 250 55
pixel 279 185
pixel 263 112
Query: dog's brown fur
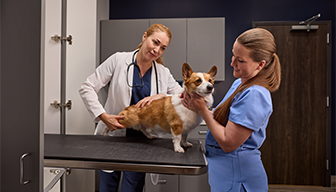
pixel 165 116
pixel 162 112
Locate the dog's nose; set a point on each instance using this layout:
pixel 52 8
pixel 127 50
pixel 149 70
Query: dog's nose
pixel 210 87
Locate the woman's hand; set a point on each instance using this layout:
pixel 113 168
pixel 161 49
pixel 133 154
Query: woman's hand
pixel 194 102
pixel 112 121
pixel 148 100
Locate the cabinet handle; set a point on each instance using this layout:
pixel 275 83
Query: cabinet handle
pixel 155 179
pixel 162 181
pixel 22 169
pixel 202 132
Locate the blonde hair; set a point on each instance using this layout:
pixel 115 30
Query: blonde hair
pixel 158 27
pixel 261 46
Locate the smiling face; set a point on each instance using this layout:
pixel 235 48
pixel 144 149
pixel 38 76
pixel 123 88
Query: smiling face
pixel 244 66
pixel 154 45
pixel 200 83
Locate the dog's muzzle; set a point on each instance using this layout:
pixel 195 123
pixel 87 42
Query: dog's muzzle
pixel 210 87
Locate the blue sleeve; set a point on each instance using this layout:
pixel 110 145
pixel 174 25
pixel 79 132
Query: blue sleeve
pixel 251 108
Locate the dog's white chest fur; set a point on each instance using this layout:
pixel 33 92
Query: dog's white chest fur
pixel 190 118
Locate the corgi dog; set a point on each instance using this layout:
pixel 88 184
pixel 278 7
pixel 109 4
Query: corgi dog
pixel 169 114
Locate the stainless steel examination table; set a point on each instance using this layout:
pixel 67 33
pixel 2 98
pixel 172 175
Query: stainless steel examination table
pixel 122 153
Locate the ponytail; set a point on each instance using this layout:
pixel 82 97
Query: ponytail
pixel 261 45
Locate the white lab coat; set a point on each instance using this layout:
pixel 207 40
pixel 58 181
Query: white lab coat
pixel 114 70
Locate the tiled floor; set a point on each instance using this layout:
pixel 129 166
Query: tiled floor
pixel 287 188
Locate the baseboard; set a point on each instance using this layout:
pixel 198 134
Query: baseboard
pixel 333 181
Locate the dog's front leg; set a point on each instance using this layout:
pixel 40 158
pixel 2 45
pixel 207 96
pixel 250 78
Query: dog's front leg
pixel 177 143
pixel 184 141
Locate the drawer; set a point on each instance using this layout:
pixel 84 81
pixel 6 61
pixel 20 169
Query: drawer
pixel 194 183
pixel 199 132
pixel 164 183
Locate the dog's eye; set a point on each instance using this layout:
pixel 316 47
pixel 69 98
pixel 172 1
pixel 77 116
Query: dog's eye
pixel 199 81
pixel 210 80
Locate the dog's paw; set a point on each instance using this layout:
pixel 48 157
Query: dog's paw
pixel 186 144
pixel 151 136
pixel 179 149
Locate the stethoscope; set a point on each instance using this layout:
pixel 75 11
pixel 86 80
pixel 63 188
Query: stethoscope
pixel 137 66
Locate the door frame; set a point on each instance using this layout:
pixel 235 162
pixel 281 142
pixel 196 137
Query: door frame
pixel 329 84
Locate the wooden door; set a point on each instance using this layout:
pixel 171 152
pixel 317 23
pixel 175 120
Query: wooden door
pixel 297 147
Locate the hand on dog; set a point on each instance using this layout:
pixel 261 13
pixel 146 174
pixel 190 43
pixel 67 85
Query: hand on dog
pixel 193 101
pixel 148 100
pixel 112 121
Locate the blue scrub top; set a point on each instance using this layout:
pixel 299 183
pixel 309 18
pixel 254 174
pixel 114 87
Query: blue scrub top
pixel 242 169
pixel 139 93
pixel 251 109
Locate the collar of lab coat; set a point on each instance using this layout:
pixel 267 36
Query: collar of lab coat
pixel 131 70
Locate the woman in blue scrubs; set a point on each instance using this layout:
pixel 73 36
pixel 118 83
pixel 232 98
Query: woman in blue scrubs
pixel 237 126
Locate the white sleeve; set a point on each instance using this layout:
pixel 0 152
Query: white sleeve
pixel 173 86
pixel 167 84
pixel 89 89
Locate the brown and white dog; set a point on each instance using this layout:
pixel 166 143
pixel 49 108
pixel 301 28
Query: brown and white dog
pixel 169 113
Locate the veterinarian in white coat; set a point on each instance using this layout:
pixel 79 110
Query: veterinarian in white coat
pixel 237 129
pixel 134 78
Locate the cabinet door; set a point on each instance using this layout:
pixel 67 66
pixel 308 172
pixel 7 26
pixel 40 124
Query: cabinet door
pixel 80 62
pixel 121 35
pixel 205 46
pixel 197 183
pixel 199 132
pixel 176 53
pixel 166 183
pixel 199 42
pixel 21 151
pixel 51 78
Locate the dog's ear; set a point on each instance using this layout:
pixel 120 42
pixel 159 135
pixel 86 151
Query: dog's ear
pixel 186 71
pixel 213 72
